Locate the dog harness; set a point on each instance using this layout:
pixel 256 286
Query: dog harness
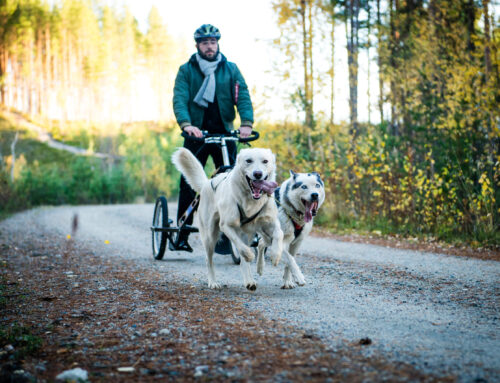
pixel 244 219
pixel 297 228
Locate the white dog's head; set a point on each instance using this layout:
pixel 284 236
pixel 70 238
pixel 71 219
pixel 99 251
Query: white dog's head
pixel 258 167
pixel 306 193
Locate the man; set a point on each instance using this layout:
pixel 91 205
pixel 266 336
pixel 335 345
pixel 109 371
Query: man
pixel 207 88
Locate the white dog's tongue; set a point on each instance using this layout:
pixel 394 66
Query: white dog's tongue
pixel 308 213
pixel 267 186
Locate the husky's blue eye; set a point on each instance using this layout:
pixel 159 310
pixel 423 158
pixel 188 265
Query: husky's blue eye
pixel 318 185
pixel 304 186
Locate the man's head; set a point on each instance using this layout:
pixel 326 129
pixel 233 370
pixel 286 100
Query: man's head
pixel 207 37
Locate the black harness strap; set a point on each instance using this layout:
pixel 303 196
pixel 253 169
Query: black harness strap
pixel 277 196
pixel 244 219
pixel 214 188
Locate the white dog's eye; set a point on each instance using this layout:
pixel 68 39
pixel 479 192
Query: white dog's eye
pixel 318 185
pixel 265 161
pixel 304 186
pixel 249 161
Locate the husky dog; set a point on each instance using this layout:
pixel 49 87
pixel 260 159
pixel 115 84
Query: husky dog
pixel 299 199
pixel 239 203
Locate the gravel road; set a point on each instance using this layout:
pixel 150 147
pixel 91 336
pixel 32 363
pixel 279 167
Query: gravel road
pixel 439 313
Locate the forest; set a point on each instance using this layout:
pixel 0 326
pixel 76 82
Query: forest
pixel 425 163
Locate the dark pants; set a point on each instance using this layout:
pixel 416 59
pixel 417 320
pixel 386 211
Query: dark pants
pixel 201 151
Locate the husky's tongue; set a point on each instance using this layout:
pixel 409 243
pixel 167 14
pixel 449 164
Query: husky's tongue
pixel 266 186
pixel 308 216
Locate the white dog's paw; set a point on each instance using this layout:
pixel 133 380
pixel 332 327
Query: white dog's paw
pixel 213 285
pixel 252 286
pixel 287 285
pixel 248 254
pixel 275 258
pixel 299 279
pixel 301 282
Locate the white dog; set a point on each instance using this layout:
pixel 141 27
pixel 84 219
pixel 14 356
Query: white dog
pixel 299 199
pixel 239 203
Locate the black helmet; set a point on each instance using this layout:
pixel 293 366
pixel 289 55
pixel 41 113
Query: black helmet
pixel 205 31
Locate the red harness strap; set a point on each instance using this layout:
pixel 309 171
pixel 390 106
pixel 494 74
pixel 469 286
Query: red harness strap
pixel 298 229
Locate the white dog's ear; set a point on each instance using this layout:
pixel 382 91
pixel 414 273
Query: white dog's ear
pixel 293 174
pixel 239 156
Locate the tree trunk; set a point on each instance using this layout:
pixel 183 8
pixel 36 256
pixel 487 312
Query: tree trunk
pixel 487 34
pixel 13 151
pixel 379 63
pixel 393 49
pixel 310 101
pixel 352 60
pixel 332 74
pixel 305 40
pixel 368 59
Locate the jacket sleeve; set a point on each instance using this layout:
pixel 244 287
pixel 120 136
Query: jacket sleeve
pixel 244 103
pixel 181 98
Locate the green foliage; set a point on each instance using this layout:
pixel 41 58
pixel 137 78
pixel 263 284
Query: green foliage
pixel 376 182
pixel 24 342
pixel 45 176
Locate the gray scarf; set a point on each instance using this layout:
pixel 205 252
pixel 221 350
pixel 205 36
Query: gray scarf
pixel 206 93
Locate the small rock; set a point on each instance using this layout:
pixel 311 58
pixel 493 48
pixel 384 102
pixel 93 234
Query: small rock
pixel 75 374
pixel 125 369
pixel 165 331
pixel 365 341
pixel 200 370
pixel 40 367
pixel 9 348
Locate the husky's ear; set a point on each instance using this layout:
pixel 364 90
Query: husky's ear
pixel 318 177
pixel 293 174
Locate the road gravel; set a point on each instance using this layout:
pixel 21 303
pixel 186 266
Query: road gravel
pixel 439 313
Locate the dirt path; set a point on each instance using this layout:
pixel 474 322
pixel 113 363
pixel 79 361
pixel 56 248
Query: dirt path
pixel 427 316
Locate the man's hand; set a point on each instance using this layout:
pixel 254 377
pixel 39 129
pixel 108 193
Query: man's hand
pixel 245 131
pixel 193 131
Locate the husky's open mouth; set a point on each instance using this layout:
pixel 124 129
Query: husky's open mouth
pixel 258 187
pixel 311 209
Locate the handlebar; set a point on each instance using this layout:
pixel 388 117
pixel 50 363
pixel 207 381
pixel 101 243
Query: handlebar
pixel 217 138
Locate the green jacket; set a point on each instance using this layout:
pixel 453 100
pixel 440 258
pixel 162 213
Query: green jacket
pixel 228 78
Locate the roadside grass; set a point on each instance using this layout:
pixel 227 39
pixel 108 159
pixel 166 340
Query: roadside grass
pixel 340 223
pixel 17 335
pixel 21 338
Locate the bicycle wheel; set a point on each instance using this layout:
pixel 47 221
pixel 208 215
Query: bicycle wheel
pixel 160 220
pixel 224 246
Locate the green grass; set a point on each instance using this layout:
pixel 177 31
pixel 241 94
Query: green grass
pixel 21 338
pixel 17 335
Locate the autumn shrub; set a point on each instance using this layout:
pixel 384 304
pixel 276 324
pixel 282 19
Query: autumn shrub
pixel 378 182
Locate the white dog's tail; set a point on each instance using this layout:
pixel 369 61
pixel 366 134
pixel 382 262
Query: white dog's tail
pixel 190 167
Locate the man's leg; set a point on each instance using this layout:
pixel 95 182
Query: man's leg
pixel 186 194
